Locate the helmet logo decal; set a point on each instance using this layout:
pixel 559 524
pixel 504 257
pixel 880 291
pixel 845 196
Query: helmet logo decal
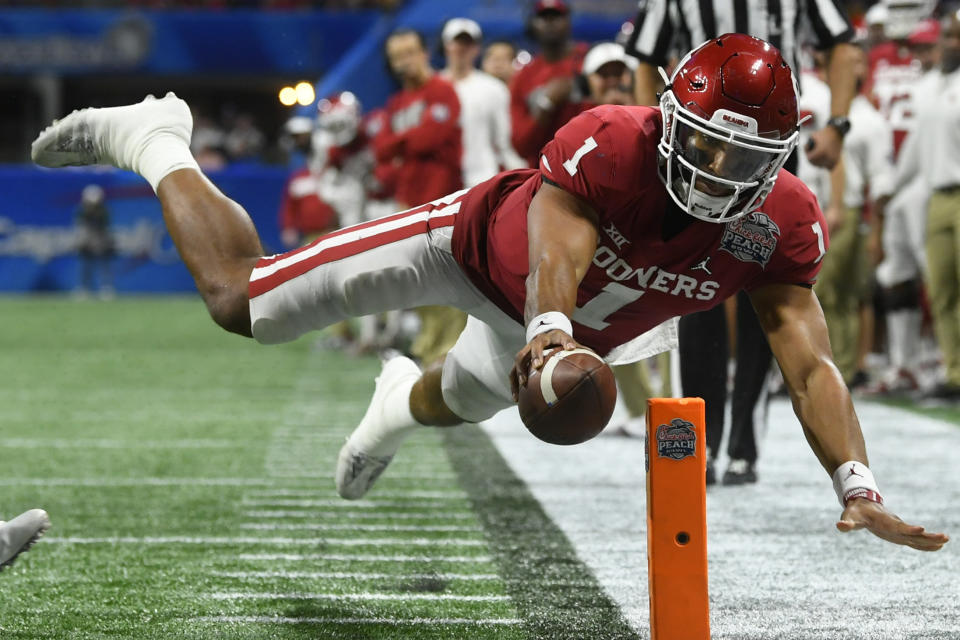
pixel 736 121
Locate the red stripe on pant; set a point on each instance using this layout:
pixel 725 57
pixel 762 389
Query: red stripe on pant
pixel 263 285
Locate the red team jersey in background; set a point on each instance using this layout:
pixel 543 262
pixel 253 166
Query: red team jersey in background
pixel 422 139
pixel 528 136
pixel 640 276
pixel 302 207
pixel 892 76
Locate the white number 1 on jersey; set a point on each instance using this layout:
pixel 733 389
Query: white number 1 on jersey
pixel 571 165
pixel 818 230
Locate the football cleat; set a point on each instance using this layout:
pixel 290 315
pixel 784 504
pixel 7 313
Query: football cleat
pixel 18 535
pixel 115 136
pixel 372 445
pixel 739 472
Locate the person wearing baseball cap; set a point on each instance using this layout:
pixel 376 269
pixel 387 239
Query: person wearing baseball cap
pixel 558 6
pixel 609 73
pixel 540 92
pixel 484 104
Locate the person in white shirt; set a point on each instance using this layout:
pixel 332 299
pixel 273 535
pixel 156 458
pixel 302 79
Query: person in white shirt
pixel 500 60
pixel 932 151
pixel 484 105
pixel 845 282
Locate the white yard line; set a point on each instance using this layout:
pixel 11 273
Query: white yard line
pixel 275 541
pixel 470 622
pixel 356 527
pixel 373 597
pixel 348 557
pixel 88 443
pixel 411 514
pixel 341 575
pixel 137 482
pixel 308 494
pixel 438 505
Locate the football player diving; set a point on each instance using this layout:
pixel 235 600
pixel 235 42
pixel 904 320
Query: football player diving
pixel 635 215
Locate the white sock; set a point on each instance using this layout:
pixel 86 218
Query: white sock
pixel 397 422
pixel 162 155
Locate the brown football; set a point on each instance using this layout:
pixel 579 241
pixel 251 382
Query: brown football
pixel 570 399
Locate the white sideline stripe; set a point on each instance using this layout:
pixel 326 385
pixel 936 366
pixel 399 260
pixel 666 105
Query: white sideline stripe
pixel 439 506
pixel 352 236
pixel 384 621
pixel 306 526
pixel 395 515
pixel 137 482
pixel 345 542
pixel 300 557
pixel 358 596
pixel 88 443
pixel 340 575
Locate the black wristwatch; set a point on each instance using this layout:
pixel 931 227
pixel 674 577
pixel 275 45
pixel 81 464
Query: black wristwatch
pixel 841 124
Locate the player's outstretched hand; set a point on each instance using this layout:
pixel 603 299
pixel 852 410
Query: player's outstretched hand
pixel 531 356
pixel 864 514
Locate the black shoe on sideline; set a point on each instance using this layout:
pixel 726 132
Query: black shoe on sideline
pixel 739 472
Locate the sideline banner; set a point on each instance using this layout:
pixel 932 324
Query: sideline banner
pixel 39 238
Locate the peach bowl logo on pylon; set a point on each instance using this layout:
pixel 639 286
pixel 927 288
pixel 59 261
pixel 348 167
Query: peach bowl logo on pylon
pixel 676 440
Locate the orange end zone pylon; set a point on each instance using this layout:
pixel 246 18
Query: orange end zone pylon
pixel 677 519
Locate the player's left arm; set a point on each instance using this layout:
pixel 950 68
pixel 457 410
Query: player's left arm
pixel 794 324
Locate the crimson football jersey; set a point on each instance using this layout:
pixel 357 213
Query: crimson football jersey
pixel 422 141
pixel 893 76
pixel 527 135
pixel 653 262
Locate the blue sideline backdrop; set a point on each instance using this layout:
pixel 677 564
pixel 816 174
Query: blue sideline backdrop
pixel 38 238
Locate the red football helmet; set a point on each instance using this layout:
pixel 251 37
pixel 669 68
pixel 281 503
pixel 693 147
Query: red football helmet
pixel 338 117
pixel 730 120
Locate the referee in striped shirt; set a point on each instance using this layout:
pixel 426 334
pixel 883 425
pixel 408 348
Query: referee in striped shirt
pixel 665 26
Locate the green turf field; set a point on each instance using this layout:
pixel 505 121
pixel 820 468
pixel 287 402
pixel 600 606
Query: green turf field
pixel 188 474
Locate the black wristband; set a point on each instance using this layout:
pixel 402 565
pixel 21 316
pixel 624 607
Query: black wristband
pixel 841 124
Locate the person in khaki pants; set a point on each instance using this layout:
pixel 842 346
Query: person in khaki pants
pixel 844 279
pixel 933 152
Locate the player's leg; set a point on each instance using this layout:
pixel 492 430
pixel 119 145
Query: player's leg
pixel 704 351
pixel 943 268
pixel 749 404
pixel 216 240
pixel 20 534
pixel 213 234
pixel 899 279
pixel 837 296
pixel 470 384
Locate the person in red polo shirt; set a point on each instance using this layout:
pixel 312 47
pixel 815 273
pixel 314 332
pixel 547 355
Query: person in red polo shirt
pixel 541 93
pixel 422 138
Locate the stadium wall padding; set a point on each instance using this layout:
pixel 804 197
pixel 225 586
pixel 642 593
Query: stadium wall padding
pixel 38 236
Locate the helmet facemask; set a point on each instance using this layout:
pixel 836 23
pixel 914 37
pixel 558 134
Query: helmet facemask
pixel 721 168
